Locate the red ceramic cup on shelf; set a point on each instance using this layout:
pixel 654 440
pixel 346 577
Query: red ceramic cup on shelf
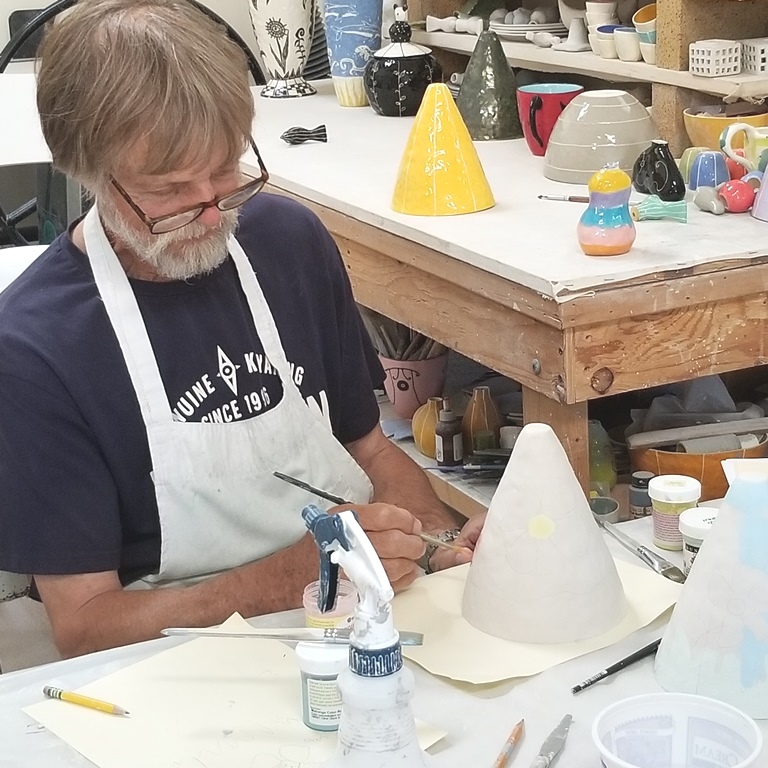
pixel 539 105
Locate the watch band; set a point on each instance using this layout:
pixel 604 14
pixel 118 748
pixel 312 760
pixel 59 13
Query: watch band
pixel 446 536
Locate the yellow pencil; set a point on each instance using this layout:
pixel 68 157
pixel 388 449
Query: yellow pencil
pixel 506 751
pixel 83 701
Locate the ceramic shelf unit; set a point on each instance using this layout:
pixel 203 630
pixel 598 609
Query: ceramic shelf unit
pixel 587 63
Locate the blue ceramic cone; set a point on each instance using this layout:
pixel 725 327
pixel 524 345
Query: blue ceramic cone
pixel 487 99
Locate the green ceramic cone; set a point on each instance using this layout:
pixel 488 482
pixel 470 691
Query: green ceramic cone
pixel 487 98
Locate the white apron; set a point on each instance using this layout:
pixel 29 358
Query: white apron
pixel 219 504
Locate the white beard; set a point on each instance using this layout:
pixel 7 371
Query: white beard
pixel 200 249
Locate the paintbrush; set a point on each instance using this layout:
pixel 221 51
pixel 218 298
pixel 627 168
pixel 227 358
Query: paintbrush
pixel 339 500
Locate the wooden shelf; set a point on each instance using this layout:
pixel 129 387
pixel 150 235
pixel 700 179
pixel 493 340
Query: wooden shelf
pixel 530 56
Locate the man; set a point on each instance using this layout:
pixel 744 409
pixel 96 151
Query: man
pixel 155 371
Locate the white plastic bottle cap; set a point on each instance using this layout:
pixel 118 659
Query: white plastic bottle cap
pixel 696 522
pixel 324 659
pixel 674 489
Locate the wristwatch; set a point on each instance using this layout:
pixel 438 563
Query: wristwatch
pixel 446 536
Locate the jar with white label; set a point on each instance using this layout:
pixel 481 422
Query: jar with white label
pixel 320 665
pixel 694 526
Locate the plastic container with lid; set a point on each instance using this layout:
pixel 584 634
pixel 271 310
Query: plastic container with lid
pixel 694 526
pixel 670 496
pixel 339 616
pixel 320 665
pixel 639 500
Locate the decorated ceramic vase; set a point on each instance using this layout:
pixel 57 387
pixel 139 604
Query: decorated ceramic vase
pixel 397 76
pixel 656 173
pixel 353 31
pixel 606 228
pixel 283 30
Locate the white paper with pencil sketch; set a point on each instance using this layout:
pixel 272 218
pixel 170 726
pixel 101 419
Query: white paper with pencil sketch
pixel 716 643
pixel 208 703
pixel 542 572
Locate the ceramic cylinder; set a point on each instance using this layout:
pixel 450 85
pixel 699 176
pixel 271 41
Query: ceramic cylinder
pixel 283 30
pixel 353 31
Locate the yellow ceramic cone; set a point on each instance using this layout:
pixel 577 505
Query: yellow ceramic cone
pixel 440 173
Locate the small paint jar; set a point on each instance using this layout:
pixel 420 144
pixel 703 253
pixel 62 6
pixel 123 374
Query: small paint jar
pixel 346 600
pixel 694 526
pixel 670 496
pixel 639 500
pixel 604 509
pixel 320 665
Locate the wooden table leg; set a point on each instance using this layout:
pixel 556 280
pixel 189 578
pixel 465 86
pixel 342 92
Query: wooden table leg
pixel 569 423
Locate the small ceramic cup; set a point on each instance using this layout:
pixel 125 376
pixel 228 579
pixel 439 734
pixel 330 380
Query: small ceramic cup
pixel 709 169
pixel 594 7
pixel 605 31
pixel 760 206
pixel 593 43
pixel 686 161
pixel 627 44
pixel 648 51
pixel 539 106
pixel 598 19
pixel 604 509
pixel 607 47
pixel 644 21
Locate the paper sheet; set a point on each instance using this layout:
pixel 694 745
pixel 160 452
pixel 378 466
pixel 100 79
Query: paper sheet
pixel 454 648
pixel 209 703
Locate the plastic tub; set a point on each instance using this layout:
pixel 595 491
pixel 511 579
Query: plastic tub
pixel 670 496
pixel 669 730
pixel 346 600
pixel 694 526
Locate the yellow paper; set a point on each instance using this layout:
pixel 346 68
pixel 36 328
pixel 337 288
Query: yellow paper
pixel 213 702
pixel 454 648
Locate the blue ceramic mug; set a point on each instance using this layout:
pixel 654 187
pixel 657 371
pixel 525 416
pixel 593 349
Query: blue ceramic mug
pixel 708 170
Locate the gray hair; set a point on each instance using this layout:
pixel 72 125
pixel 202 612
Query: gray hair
pixel 115 74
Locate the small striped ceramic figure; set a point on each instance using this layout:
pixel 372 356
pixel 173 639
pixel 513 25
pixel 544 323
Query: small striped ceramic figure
pixel 606 227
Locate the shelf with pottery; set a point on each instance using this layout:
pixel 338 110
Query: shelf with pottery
pixel 530 56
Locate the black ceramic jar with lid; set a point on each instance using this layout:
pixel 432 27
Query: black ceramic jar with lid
pixel 397 75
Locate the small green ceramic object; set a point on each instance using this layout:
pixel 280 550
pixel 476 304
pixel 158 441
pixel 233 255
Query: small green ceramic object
pixel 655 208
pixel 487 99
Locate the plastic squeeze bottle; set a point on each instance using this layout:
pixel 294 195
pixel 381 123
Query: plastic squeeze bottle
pixel 377 727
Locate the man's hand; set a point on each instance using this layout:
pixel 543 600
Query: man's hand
pixel 394 533
pixel 467 539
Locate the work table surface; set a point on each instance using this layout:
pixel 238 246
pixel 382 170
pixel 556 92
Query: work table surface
pixel 526 240
pixel 477 719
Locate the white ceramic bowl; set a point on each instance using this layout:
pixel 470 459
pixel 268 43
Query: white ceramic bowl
pixel 648 52
pixel 595 7
pixel 607 47
pixel 600 20
pixel 627 44
pixel 677 724
pixel 594 129
pixel 593 43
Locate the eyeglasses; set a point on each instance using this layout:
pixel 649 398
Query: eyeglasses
pixel 162 224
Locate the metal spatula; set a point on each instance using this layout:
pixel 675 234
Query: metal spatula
pixel 338 635
pixel 648 556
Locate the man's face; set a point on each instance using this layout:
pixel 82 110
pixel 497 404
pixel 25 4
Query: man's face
pixel 195 249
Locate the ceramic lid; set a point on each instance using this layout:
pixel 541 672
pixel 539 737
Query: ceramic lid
pixel 401 46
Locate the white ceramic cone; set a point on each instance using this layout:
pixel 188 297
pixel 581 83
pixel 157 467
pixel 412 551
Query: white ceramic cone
pixel 716 643
pixel 542 572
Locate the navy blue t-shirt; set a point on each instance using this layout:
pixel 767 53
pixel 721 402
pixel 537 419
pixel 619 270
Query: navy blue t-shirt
pixel 77 496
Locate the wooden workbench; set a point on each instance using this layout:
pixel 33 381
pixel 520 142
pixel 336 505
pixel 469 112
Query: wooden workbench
pixel 510 287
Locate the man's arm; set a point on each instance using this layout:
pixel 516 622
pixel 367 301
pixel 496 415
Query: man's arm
pixel 92 611
pixel 398 480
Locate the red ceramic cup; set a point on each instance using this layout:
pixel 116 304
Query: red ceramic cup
pixel 539 106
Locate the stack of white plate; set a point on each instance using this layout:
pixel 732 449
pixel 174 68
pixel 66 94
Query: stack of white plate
pixel 517 31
